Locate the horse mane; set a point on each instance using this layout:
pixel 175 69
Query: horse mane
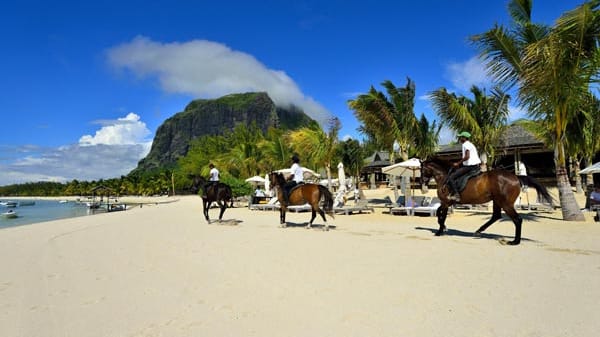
pixel 279 177
pixel 445 164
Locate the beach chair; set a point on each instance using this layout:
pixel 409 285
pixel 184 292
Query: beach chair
pixel 410 205
pixel 430 208
pixel 271 205
pixel 360 207
pixel 398 203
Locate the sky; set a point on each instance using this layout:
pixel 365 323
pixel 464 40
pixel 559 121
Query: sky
pixel 84 85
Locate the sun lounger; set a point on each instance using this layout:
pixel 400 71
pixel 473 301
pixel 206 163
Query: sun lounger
pixel 398 203
pixel 272 205
pixel 410 205
pixel 429 209
pixel 360 207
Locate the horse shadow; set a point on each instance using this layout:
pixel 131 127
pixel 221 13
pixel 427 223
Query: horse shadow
pixel 457 232
pixel 225 222
pixel 304 224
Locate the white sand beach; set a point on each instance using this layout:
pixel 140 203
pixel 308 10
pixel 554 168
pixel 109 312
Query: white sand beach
pixel 161 270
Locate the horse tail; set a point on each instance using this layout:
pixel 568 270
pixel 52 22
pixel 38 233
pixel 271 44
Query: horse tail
pixel 541 189
pixel 328 199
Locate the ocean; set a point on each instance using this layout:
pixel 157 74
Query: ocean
pixel 42 210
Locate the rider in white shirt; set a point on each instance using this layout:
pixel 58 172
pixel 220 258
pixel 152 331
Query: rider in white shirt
pixel 213 179
pixel 297 176
pixel 470 161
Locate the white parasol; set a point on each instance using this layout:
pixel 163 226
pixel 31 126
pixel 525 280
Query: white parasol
pixel 256 180
pixel 595 168
pixel 267 185
pixel 407 168
pixel 341 176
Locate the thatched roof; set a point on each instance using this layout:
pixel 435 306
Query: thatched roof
pixel 515 137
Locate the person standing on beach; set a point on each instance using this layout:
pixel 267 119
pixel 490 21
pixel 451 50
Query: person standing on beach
pixel 470 161
pixel 213 179
pixel 296 178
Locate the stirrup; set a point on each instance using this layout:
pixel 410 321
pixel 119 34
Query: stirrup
pixel 454 196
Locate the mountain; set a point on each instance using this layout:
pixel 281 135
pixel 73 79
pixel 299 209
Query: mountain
pixel 214 117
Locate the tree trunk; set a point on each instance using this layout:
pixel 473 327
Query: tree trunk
pixel 575 169
pixel 568 204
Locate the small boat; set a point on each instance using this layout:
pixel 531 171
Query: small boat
pixel 117 207
pixel 92 204
pixel 9 203
pixel 10 214
pixel 63 201
pixel 26 203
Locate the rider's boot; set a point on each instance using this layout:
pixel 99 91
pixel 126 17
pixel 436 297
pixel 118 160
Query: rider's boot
pixel 452 194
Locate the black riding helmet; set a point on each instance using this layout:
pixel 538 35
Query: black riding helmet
pixel 295 159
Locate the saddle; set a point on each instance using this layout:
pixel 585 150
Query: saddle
pixel 462 181
pixel 287 196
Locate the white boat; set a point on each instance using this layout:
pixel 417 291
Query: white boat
pixel 9 203
pixel 10 214
pixel 92 204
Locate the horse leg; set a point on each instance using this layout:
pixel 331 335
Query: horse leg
pixel 442 213
pixel 325 224
pixel 518 221
pixel 282 217
pixel 222 206
pixel 312 218
pixel 496 215
pixel 205 205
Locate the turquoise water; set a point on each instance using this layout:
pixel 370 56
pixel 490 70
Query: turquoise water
pixel 42 210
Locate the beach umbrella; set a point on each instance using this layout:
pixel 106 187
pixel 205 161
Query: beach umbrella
pixel 341 176
pixel 267 185
pixel 595 168
pixel 408 168
pixel 256 180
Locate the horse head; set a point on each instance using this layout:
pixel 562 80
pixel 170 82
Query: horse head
pixel 197 181
pixel 276 179
pixel 434 168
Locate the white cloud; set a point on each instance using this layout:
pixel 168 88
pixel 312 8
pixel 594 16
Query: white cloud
pixel 516 112
pixel 466 74
pixel 446 136
pixel 126 130
pixel 209 69
pixel 115 150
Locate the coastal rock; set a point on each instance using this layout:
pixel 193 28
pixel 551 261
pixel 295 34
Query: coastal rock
pixel 214 117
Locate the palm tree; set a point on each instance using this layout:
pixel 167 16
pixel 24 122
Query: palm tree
pixel 352 154
pixel 426 139
pixel 552 68
pixel 388 119
pixel 484 116
pixel 276 150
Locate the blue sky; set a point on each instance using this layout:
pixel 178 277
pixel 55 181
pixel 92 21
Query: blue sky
pixel 84 85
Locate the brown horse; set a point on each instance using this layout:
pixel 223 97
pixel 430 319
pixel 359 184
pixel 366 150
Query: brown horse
pixel 300 195
pixel 500 186
pixel 221 193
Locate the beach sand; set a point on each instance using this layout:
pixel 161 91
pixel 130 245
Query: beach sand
pixel 161 270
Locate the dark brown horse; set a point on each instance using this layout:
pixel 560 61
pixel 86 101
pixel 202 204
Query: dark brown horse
pixel 221 193
pixel 499 186
pixel 300 195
